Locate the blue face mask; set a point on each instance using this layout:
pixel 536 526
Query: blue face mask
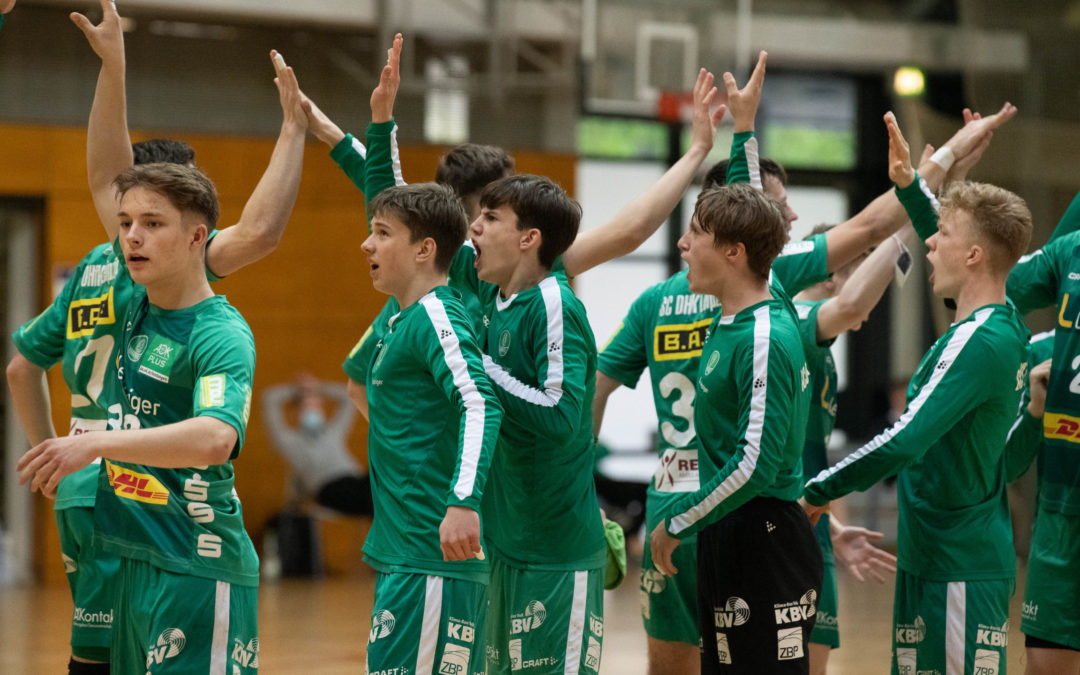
pixel 312 421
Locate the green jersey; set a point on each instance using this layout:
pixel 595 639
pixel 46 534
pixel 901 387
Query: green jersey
pixel 541 356
pixel 437 454
pixel 1026 435
pixel 173 365
pixel 1046 277
pixel 947 451
pixel 752 396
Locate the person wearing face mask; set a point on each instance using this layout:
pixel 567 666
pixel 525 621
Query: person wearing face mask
pixel 315 448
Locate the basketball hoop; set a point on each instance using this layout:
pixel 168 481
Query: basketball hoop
pixel 675 106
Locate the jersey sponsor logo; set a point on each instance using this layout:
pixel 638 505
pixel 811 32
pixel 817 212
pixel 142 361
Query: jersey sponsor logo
pixel 402 670
pixel 911 634
pixel 652 581
pixel 592 654
pixel 382 624
pixel 677 471
pixel 796 248
pixel 99 275
pixel 1021 375
pixel 87 619
pixel 83 315
pixel 826 620
pixel 1061 427
pixel 906 660
pixel 735 612
pixel 518 663
pixel 137 346
pixel 789 644
pixel 196 491
pixel 212 390
pixel 455 660
pixel 992 636
pixel 69 564
pixel 596 625
pixel 987 662
pixel 723 651
pixel 679 341
pixel 691 304
pixel 504 342
pixel 714 359
pixel 1063 321
pixel 531 619
pixel 158 358
pixel 462 631
pixel 1029 610
pixel 142 406
pixel 246 655
pixel 140 487
pixel 247 404
pixel 169 644
pixel 796 612
pixel 805 375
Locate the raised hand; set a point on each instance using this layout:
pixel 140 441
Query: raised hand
pixel 705 122
pixel 289 91
pixel 976 128
pixel 106 38
pixel 743 103
pixel 382 97
pixel 6 6
pixel 900 171
pixel 852 546
pixel 1038 380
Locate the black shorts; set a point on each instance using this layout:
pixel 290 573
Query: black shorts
pixel 759 576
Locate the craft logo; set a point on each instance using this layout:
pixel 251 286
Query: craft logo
pixel 455 660
pixel 83 315
pixel 734 613
pixel 246 655
pixel 136 347
pixel 911 634
pixel 169 644
pixel 382 624
pixel 680 341
pixel 141 487
pixel 533 618
pixel 714 359
pixel 504 342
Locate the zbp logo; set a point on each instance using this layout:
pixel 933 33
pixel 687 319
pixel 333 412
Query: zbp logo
pixel 533 618
pixel 789 644
pixel 382 624
pixel 83 315
pixel 734 613
pixel 141 487
pixel 592 654
pixel 169 644
pixel 246 655
pixel 455 660
pixel 987 662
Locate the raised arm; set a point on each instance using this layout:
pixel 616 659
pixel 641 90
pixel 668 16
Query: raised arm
pixel 640 218
pixel 743 103
pixel 108 145
pixel 384 162
pixel 267 211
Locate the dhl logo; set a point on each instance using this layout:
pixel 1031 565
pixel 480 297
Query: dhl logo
pixel 1061 427
pixel 680 341
pixel 138 486
pixel 83 315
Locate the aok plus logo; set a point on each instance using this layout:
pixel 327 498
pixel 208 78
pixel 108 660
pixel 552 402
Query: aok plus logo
pixel 533 618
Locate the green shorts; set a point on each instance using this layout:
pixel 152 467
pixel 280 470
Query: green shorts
pixel 542 621
pixel 826 627
pixel 92 578
pixel 669 604
pixel 426 624
pixel 950 626
pixel 176 623
pixel 1053 580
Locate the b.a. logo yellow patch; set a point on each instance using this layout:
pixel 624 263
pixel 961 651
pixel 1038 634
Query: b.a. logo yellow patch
pixel 83 315
pixel 680 341
pixel 141 487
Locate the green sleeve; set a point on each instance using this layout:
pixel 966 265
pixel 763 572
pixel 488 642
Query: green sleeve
pixel 41 340
pixel 1034 281
pixel 553 404
pixel 626 354
pixel 457 367
pixel 1070 220
pixel 921 206
pixel 743 163
pixel 358 362
pixel 383 160
pixel 958 383
pixel 759 452
pixel 802 264
pixel 1026 435
pixel 223 367
pixel 808 313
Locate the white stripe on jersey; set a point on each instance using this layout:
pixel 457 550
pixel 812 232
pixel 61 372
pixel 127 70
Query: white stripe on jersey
pixel 395 157
pixel 955 624
pixel 219 645
pixel 429 627
pixel 929 194
pixel 948 358
pixel 752 163
pixel 359 148
pixel 475 405
pixel 577 624
pixel 552 393
pixel 742 473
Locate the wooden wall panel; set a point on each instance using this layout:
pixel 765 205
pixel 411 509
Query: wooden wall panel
pixel 307 303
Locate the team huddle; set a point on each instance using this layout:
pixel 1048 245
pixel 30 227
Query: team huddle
pixel 484 391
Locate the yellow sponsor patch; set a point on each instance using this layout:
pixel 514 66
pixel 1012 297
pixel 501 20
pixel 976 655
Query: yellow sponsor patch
pixel 138 486
pixel 680 340
pixel 1061 427
pixel 212 391
pixel 83 315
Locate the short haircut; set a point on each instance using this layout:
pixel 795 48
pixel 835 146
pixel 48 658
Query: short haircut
pixel 186 188
pixel 469 167
pixel 740 214
pixel 537 202
pixel 163 150
pixel 427 210
pixel 1002 219
pixel 717 175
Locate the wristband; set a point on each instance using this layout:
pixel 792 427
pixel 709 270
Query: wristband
pixel 943 157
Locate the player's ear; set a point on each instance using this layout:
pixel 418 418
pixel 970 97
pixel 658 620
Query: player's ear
pixel 426 250
pixel 530 238
pixel 199 234
pixel 976 254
